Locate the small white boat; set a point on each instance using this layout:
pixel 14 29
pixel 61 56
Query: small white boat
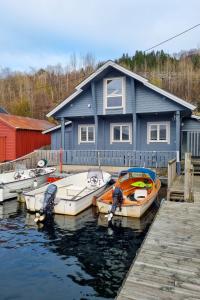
pixel 74 193
pixel 12 182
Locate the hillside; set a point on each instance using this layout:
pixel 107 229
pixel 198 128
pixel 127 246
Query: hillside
pixel 34 94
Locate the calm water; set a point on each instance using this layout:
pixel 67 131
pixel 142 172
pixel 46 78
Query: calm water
pixel 69 258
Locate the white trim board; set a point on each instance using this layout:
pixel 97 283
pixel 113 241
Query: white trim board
pixel 79 133
pixel 112 125
pixel 105 95
pixel 149 124
pixel 55 127
pixel 126 72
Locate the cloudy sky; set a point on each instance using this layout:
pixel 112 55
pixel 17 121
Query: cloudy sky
pixel 37 33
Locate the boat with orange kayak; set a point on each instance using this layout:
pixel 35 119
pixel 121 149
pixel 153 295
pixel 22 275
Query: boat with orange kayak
pixel 140 188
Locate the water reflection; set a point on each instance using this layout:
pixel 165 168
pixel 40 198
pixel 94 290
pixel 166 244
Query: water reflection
pixel 81 257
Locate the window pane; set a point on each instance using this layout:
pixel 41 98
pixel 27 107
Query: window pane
pixel 153 133
pixel 83 134
pixel 114 101
pixel 163 133
pixel 116 133
pixel 90 134
pixel 114 87
pixel 125 133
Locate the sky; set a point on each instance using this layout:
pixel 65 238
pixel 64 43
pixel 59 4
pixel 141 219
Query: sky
pixel 37 33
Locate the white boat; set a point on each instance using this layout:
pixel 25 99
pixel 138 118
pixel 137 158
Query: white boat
pixel 74 193
pixel 12 182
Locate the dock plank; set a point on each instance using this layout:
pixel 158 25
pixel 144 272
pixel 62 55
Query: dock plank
pixel 168 263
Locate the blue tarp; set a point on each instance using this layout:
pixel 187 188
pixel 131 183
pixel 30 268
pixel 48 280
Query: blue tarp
pixel 151 173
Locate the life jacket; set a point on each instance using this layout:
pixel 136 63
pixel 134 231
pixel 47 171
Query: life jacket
pixel 141 184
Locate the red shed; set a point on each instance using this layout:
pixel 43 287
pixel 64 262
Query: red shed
pixel 20 135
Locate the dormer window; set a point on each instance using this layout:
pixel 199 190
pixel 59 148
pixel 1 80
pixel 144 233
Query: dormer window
pixel 114 90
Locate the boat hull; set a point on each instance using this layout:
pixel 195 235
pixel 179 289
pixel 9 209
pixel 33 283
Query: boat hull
pixel 64 207
pixel 74 194
pixel 9 190
pixel 134 211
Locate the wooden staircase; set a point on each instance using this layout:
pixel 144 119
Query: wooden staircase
pixel 175 195
pixel 180 188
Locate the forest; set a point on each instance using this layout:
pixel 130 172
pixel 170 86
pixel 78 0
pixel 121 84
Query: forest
pixel 36 92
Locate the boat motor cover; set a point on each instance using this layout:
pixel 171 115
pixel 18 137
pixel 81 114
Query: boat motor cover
pixel 49 197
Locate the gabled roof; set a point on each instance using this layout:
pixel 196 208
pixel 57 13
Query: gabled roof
pixel 18 122
pixel 110 63
pixel 195 117
pixel 55 127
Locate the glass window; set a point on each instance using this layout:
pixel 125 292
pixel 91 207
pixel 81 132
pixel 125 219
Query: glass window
pixel 163 132
pixel 114 92
pixel 116 134
pixel 90 134
pixel 120 133
pixel 114 101
pixel 154 132
pixel 158 132
pixel 83 134
pixel 125 133
pixel 86 134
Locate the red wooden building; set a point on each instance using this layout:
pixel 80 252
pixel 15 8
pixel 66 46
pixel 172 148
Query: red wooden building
pixel 20 135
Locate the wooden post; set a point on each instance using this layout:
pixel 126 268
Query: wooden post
pixel 134 115
pixel 178 138
pixel 62 142
pixel 188 178
pixel 94 109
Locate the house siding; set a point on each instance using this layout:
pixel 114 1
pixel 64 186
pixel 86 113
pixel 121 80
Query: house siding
pixel 149 101
pixel 56 139
pixel 81 106
pixel 190 125
pixel 81 146
pixel 100 95
pixel 9 133
pixel 106 133
pixel 29 140
pixel 142 133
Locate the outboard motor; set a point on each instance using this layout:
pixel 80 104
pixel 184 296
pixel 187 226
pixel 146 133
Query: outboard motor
pixel 48 206
pixel 117 202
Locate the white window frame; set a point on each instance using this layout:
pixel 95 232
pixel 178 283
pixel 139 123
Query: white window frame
pixel 121 95
pixel 112 125
pixel 149 124
pixel 79 133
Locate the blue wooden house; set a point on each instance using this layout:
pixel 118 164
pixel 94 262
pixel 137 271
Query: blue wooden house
pixel 116 117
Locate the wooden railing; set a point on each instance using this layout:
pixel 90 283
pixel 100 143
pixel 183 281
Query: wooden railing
pixel 171 171
pixel 28 161
pixel 118 158
pixel 108 157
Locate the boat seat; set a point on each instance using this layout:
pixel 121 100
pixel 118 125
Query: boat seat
pixel 140 194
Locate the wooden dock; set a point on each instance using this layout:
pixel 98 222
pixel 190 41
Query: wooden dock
pixel 168 264
pixel 177 188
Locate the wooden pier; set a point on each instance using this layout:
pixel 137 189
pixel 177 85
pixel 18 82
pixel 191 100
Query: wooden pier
pixel 168 264
pixel 185 187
